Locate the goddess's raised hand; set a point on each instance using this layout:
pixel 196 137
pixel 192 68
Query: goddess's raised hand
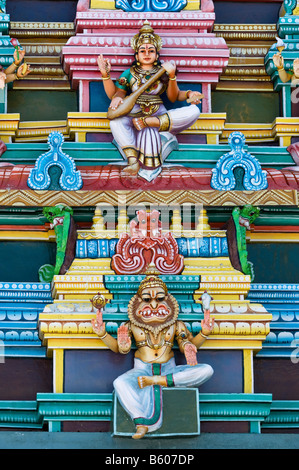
pixel 104 65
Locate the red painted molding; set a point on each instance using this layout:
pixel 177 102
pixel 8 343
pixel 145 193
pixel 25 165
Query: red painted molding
pixel 109 177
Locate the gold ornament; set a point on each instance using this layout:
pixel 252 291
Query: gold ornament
pixel 151 281
pixel 146 35
pixel 99 301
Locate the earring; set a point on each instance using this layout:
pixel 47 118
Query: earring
pixel 155 63
pixel 138 63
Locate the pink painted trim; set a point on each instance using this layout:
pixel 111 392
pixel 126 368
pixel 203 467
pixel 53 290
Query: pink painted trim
pixel 84 96
pixel 83 5
pixel 206 102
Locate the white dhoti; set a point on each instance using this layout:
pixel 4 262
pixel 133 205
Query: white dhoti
pixel 147 142
pixel 145 405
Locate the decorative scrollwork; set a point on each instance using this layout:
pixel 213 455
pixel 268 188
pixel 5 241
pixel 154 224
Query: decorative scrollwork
pixel 223 178
pixel 289 6
pixel 151 5
pixel 39 178
pixel 146 246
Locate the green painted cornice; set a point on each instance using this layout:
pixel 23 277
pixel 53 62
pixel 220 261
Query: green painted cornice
pixel 269 216
pixel 191 155
pixel 54 408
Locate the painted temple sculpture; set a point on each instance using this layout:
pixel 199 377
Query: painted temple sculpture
pixel 178 310
pixel 140 123
pixel 61 219
pixel 154 325
pixel 147 247
pixel 236 227
pixel 17 70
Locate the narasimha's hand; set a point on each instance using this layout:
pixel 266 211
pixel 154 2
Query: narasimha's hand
pixel 123 339
pixel 190 351
pixel 98 325
pixel 207 324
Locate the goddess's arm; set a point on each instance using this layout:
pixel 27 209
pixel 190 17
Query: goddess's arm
pixel 279 64
pixel 105 68
pixel 173 91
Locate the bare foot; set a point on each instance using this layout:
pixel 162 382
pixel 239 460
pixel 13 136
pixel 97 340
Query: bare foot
pixel 140 432
pixel 145 381
pixel 139 123
pixel 131 170
pixel 143 122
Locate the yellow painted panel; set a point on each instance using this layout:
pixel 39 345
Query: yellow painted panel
pixel 274 237
pixel 233 343
pixel 221 297
pixel 254 345
pixel 27 235
pixel 63 316
pixel 248 371
pixel 102 4
pixel 193 5
pixel 60 343
pixel 58 357
pixel 82 296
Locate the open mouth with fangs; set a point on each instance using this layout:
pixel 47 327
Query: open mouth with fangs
pixel 148 313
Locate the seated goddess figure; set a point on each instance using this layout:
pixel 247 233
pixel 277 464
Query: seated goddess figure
pixel 140 133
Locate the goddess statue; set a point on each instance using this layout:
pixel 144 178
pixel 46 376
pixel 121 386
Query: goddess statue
pixel 154 325
pixel 283 74
pixel 15 71
pixel 138 133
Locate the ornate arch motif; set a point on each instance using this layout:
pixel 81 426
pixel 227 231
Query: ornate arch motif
pixel 223 178
pixel 70 178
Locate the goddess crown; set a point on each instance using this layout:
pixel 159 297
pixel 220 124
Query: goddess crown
pixel 146 35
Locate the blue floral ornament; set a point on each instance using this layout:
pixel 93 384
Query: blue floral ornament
pixel 151 5
pixel 39 178
pixel 223 178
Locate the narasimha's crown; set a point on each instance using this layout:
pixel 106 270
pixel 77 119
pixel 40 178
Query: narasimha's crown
pixel 151 281
pixel 146 35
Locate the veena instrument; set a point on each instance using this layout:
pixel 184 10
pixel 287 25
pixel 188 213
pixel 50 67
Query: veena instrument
pixel 129 102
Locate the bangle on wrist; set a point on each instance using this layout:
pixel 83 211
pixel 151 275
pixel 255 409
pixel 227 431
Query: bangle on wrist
pixel 280 68
pixel 17 78
pixel 104 336
pixel 204 336
pixel 174 78
pixel 183 343
pixel 106 78
pixel 187 94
